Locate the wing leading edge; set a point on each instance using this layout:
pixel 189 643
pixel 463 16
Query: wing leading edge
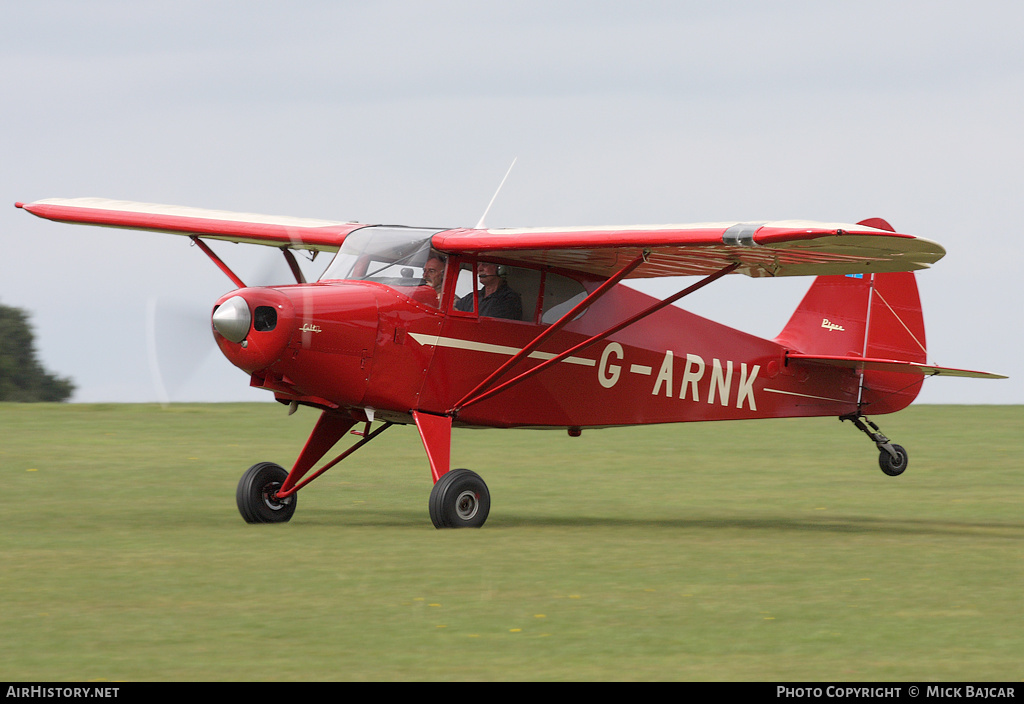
pixel 789 248
pixel 271 230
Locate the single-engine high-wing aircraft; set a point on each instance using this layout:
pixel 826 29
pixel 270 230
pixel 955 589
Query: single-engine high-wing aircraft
pixel 504 328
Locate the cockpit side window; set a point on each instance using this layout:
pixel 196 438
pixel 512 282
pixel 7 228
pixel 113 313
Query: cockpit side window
pixel 465 285
pixel 501 291
pixel 514 293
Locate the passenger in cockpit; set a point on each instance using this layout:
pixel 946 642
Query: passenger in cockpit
pixel 497 299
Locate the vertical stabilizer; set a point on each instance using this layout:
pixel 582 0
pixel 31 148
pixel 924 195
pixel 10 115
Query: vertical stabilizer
pixel 864 315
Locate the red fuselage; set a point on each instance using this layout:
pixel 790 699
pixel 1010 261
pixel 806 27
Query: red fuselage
pixel 358 345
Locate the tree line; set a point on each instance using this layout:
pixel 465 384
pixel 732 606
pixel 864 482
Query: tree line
pixel 22 377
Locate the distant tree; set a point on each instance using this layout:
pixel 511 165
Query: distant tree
pixel 22 377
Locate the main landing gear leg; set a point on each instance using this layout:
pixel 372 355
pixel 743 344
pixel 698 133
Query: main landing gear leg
pixel 267 493
pixel 892 458
pixel 460 498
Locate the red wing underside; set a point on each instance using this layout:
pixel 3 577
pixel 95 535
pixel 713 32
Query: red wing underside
pixel 789 248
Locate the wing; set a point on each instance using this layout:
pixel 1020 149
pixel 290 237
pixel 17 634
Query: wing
pixel 276 231
pixel 790 248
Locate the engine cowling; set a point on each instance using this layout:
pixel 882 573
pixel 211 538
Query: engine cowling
pixel 311 342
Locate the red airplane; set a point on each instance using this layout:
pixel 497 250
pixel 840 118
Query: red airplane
pixel 507 328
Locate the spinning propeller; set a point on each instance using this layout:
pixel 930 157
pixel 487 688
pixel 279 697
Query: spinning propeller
pixel 179 337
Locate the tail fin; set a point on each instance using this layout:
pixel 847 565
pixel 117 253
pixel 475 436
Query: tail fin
pixel 875 316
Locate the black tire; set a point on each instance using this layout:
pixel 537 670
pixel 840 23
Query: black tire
pixel 893 467
pixel 256 491
pixel 459 499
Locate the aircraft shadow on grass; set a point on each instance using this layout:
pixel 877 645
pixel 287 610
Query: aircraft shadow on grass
pixel 863 525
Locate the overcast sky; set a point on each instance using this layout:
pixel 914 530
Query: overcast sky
pixel 410 113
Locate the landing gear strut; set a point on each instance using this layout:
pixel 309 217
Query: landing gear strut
pixel 892 458
pixel 267 493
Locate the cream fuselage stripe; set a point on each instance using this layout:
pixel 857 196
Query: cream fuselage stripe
pixel 456 343
pixel 793 393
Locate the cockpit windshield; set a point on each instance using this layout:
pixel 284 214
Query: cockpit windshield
pixel 393 256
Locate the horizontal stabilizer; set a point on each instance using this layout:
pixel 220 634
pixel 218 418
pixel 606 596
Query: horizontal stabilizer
pixel 888 365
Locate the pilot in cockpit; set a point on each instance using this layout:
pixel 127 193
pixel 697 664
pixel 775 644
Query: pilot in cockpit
pixel 433 274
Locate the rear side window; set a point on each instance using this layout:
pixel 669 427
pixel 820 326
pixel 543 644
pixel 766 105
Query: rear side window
pixel 560 294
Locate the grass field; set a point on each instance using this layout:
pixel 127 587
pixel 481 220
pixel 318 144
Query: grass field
pixel 766 550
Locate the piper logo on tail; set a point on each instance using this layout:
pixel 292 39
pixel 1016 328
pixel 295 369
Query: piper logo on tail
pixel 831 326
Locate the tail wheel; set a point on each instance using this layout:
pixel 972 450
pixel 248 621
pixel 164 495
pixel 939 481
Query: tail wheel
pixel 256 495
pixel 459 499
pixel 893 466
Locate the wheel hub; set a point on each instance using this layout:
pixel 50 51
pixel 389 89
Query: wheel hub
pixel 467 505
pixel 270 499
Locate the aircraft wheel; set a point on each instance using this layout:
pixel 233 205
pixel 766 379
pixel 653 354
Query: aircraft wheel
pixel 255 495
pixel 459 499
pixel 893 467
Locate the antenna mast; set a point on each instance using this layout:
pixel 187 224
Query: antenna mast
pixel 480 225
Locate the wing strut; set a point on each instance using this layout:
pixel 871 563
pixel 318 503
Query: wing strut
pixel 586 343
pixel 293 265
pixel 329 430
pixel 218 261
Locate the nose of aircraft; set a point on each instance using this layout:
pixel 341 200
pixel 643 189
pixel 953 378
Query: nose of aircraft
pixel 232 319
pixel 252 327
pixel 308 341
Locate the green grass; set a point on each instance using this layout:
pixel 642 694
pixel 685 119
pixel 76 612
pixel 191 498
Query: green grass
pixel 765 550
